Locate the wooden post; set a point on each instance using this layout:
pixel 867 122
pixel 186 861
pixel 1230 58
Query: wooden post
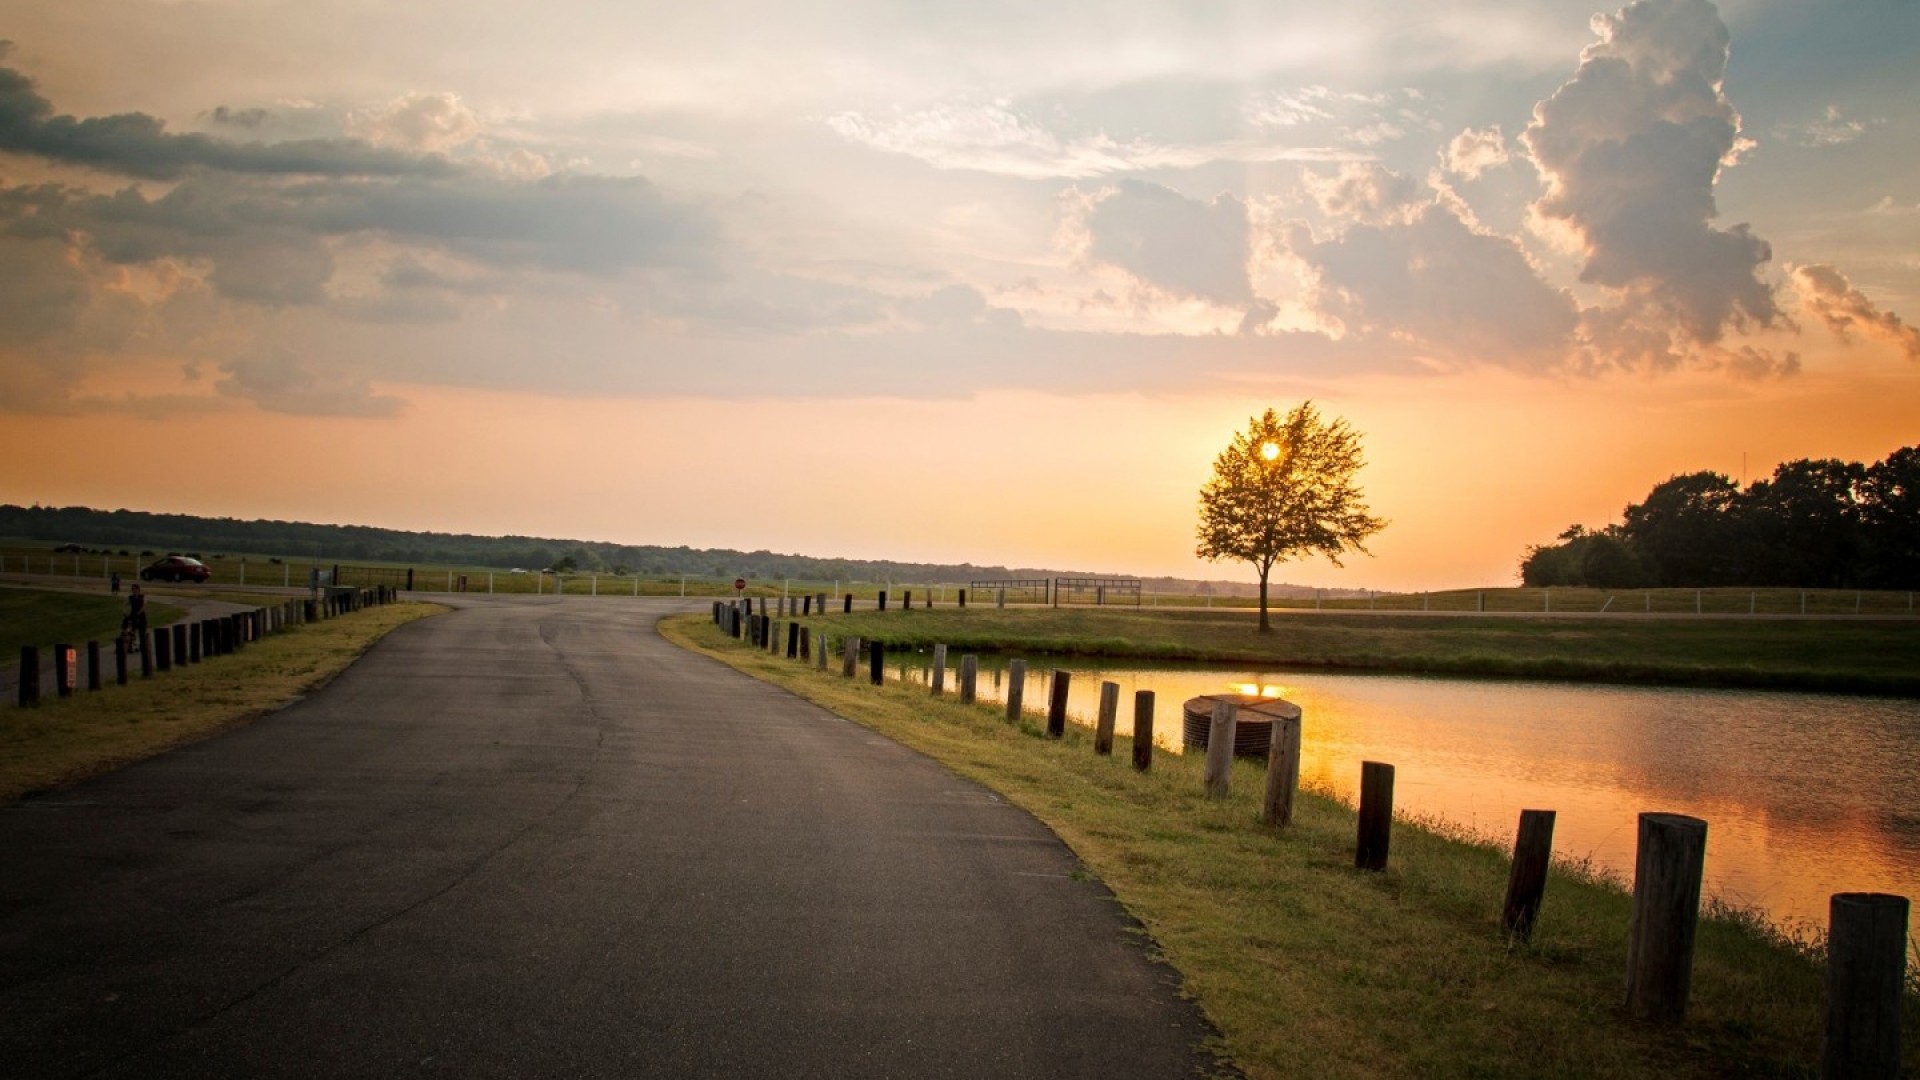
pixel 876 663
pixel 848 609
pixel 146 654
pixel 66 670
pixel 906 600
pixel 1376 816
pixel 883 599
pixel 1109 712
pixel 939 679
pixel 850 655
pixel 179 643
pixel 969 677
pixel 963 598
pixel 195 645
pixel 1226 717
pixel 29 675
pixel 120 660
pixel 1143 730
pixel 793 641
pixel 1866 971
pixel 820 652
pixel 806 604
pixel 93 665
pixel 1016 689
pixel 806 643
pixel 1057 704
pixel 1671 857
pixel 162 650
pixel 1283 771
pixel 1527 883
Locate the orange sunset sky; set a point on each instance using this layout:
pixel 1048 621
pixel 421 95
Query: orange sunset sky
pixel 989 285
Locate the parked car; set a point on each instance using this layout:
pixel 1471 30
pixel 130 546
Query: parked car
pixel 175 568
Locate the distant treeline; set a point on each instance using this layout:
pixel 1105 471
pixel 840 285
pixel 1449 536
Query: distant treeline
pixel 1816 524
pixel 137 530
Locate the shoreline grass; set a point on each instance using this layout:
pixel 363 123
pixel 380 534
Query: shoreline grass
pixel 62 741
pixel 1312 969
pixel 1862 657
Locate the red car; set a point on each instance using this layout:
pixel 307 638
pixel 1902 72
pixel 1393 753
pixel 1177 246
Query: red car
pixel 176 568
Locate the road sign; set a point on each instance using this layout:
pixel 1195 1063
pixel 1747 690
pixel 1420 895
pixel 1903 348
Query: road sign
pixel 739 583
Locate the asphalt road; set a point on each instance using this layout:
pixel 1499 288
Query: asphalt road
pixel 531 838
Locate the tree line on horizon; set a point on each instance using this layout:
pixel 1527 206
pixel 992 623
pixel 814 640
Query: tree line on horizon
pixel 139 530
pixel 1815 524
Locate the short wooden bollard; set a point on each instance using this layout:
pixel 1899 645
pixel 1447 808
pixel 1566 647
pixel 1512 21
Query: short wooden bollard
pixel 938 679
pixel 179 643
pixel 806 605
pixel 850 655
pixel 969 678
pixel 162 650
pixel 1667 868
pixel 1109 714
pixel 1016 689
pixel 1220 749
pixel 120 660
pixel 93 665
pixel 1866 973
pixel 877 663
pixel 774 636
pixel 1376 816
pixel 66 670
pixel 820 652
pixel 146 654
pixel 793 641
pixel 848 609
pixel 963 598
pixel 806 643
pixel 1283 771
pixel 883 600
pixel 906 600
pixel 29 675
pixel 1143 730
pixel 1527 883
pixel 194 643
pixel 1057 704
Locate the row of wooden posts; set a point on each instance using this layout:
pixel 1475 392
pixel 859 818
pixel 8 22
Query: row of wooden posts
pixel 185 643
pixel 1867 936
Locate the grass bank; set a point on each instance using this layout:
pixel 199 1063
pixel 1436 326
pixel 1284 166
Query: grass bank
pixel 1312 969
pixel 64 740
pixel 1856 656
pixel 45 617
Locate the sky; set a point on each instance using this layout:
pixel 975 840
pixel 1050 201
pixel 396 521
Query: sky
pixel 988 282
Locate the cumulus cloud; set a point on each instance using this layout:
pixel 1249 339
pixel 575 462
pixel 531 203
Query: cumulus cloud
pixel 279 382
pixel 1474 151
pixel 1846 310
pixel 424 123
pixel 1362 192
pixel 138 145
pixel 1429 278
pixel 1630 148
pixel 1187 247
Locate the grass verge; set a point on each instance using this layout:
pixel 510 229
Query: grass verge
pixel 1864 656
pixel 43 617
pixel 65 740
pixel 1312 969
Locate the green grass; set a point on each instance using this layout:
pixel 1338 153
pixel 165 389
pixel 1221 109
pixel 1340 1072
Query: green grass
pixel 1312 969
pixel 46 617
pixel 65 740
pixel 1864 655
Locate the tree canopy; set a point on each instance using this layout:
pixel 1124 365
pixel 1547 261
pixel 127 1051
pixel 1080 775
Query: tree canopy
pixel 1284 489
pixel 1816 523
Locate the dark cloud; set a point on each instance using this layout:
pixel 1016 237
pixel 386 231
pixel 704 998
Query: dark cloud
pixel 1184 246
pixel 1631 147
pixel 280 382
pixel 139 146
pixel 242 118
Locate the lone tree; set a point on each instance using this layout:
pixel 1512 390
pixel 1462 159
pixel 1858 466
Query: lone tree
pixel 1283 489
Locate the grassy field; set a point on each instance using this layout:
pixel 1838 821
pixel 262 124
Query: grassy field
pixel 44 618
pixel 1312 969
pixel 1865 655
pixel 61 741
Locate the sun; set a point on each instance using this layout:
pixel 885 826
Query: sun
pixel 1270 451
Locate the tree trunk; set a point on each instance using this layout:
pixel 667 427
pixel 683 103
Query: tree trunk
pixel 1265 626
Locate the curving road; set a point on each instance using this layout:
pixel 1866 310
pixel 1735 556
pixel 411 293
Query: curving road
pixel 531 838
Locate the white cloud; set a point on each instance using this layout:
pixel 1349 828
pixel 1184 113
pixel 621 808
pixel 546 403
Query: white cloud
pixel 1846 310
pixel 1832 129
pixel 424 123
pixel 1364 193
pixel 1474 151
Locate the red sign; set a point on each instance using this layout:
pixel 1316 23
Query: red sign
pixel 739 583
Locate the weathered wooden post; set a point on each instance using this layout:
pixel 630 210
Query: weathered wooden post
pixel 66 670
pixel 806 643
pixel 883 599
pixel 939 678
pixel 29 675
pixel 194 643
pixel 906 600
pixel 179 643
pixel 793 641
pixel 1671 858
pixel 93 665
pixel 969 677
pixel 806 604
pixel 146 654
pixel 1016 689
pixel 162 650
pixel 120 660
pixel 1143 730
pixel 1109 713
pixel 1057 704
pixel 1376 816
pixel 963 598
pixel 1866 973
pixel 850 655
pixel 1000 598
pixel 848 609
pixel 1527 883
pixel 1283 770
pixel 876 663
pixel 820 652
pixel 1220 736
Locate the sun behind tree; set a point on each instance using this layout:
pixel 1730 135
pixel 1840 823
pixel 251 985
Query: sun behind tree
pixel 1283 489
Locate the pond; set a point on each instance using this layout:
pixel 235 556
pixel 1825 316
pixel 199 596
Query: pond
pixel 1804 795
